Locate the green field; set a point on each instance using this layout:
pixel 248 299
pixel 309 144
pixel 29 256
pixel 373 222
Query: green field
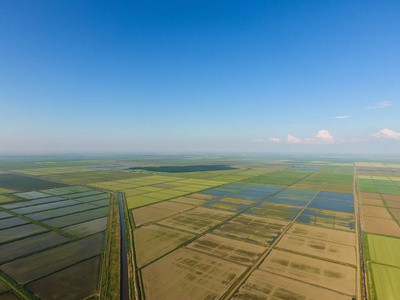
pixel 384 249
pixel 386 280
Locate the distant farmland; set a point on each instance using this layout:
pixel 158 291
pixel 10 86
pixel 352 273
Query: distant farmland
pixel 313 231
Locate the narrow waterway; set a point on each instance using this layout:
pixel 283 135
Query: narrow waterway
pixel 363 271
pixel 124 258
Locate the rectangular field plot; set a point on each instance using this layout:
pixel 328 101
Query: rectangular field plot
pixel 373 211
pixel 286 201
pixel 21 204
pixel 327 219
pixel 337 196
pixel 11 222
pixel 18 232
pixel 268 286
pixel 153 241
pixel 82 194
pixel 189 200
pixel 275 211
pixel 4 215
pixel 384 249
pixel 325 234
pixel 31 244
pixel 322 273
pixel 380 226
pixel 67 190
pixel 229 206
pixel 77 282
pixel 35 266
pixel 32 195
pixel 77 218
pixel 197 220
pixel 87 228
pixel 375 202
pixel 187 274
pixel 396 213
pixel 104 202
pixel 343 206
pixel 225 248
pixel 375 196
pixel 254 229
pixel 54 213
pixel 138 201
pixel 386 281
pixel 158 211
pixel 202 196
pixel 93 197
pixel 41 207
pixel 320 248
pixel 391 197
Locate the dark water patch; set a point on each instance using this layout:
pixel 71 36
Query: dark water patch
pixel 343 206
pixel 23 183
pixel 339 196
pixel 287 201
pixel 76 282
pixel 184 169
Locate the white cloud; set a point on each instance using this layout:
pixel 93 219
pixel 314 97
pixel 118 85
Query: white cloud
pixel 342 117
pixel 387 134
pixel 380 104
pixel 294 140
pixel 322 137
pixel 275 140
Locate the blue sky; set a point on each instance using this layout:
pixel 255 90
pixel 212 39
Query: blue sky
pixel 174 76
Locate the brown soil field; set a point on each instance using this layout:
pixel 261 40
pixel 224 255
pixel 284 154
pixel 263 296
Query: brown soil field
pixel 395 212
pixel 375 202
pixel 225 248
pixel 188 200
pixel 173 206
pixel 267 286
pixel 322 273
pixel 381 226
pixel 158 211
pixel 153 241
pixel 197 220
pixel 188 274
pixel 391 197
pixel 370 195
pixel 254 229
pixel 314 247
pixel 377 212
pixel 393 203
pixel 332 235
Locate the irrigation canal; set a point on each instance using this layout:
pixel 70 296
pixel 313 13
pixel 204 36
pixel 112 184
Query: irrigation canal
pixel 124 258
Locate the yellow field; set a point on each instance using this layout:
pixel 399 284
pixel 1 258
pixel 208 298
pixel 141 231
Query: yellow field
pixel 322 273
pixel 153 241
pixel 265 285
pixel 188 274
